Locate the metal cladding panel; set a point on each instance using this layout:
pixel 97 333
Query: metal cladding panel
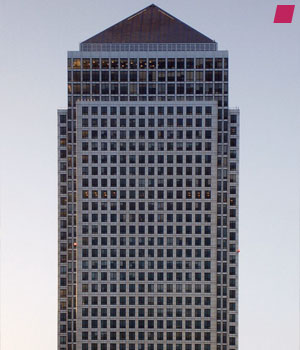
pixel 151 25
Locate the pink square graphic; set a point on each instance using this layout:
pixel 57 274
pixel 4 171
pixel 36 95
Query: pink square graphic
pixel 284 14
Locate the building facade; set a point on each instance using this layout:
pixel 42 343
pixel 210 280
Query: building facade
pixel 148 158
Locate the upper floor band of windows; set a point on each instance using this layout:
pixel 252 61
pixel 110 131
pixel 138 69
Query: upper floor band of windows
pixel 148 63
pixel 149 47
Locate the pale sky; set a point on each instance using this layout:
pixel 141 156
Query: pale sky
pixel 35 36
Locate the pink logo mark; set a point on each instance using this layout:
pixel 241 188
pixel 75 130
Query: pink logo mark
pixel 284 14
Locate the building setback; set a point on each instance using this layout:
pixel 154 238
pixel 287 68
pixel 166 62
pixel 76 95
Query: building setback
pixel 148 158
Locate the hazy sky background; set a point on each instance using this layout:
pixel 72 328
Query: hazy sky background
pixel 35 36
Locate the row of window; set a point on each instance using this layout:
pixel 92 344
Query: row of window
pixel 149 346
pixel 150 253
pixel 151 76
pixel 123 194
pixel 151 171
pixel 150 241
pixel 85 229
pixel 160 288
pixel 150 159
pixel 150 276
pixel 141 123
pixel 222 100
pixel 94 182
pixel 151 264
pixel 141 288
pixel 150 312
pixel 147 229
pixel 132 335
pixel 149 324
pixel 188 336
pixel 160 194
pixel 141 264
pixel 150 300
pixel 131 111
pixel 149 206
pixel 132 288
pixel 147 89
pixel 113 241
pixel 195 218
pixel 151 134
pixel 141 146
pixel 161 182
pixel 141 134
pixel 148 63
pixel 141 110
pixel 169 323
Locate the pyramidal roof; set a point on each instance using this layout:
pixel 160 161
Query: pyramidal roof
pixel 150 25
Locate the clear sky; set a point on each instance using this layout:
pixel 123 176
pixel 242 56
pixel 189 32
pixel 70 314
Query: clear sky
pixel 35 36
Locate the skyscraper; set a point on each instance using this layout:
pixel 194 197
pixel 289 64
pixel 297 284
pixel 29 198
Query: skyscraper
pixel 148 191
